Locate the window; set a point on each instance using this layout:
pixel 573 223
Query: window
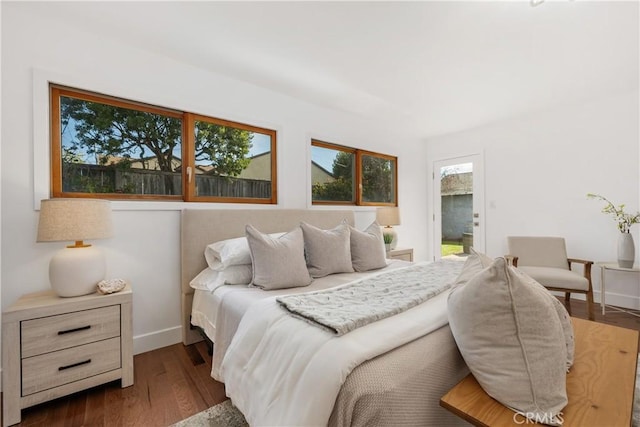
pixel 232 161
pixel 378 178
pixel 332 172
pixel 117 149
pixel 343 175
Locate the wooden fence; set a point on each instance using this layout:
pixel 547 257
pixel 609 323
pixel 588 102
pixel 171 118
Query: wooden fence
pixel 108 179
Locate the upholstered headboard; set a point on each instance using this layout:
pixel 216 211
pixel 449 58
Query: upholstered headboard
pixel 201 227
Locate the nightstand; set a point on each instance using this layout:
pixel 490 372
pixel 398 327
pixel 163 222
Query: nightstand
pixel 403 254
pixel 53 346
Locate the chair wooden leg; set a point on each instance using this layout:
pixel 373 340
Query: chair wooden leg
pixel 590 305
pixel 567 302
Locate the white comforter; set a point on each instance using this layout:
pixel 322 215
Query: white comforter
pixel 273 385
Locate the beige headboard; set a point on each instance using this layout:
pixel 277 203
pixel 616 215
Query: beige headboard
pixel 201 227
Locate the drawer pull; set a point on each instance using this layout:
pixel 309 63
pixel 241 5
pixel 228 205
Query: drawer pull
pixel 68 331
pixel 73 365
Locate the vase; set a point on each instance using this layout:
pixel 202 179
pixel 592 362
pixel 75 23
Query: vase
pixel 626 250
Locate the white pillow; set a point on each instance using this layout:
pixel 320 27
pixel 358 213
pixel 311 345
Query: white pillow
pixel 210 279
pixel 225 253
pixel 367 248
pixel 278 262
pixel 327 251
pixel 510 336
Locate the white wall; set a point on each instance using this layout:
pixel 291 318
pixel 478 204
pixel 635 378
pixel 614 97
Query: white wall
pixel 539 168
pixel 145 249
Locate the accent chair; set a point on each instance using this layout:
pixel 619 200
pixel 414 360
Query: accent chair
pixel 545 260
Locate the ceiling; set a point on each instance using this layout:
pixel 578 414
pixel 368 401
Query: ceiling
pixel 431 67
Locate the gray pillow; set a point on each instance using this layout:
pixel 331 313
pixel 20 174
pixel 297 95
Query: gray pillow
pixel 567 328
pixel 475 263
pixel 367 248
pixel 278 262
pixel 565 320
pixel 327 251
pixel 509 333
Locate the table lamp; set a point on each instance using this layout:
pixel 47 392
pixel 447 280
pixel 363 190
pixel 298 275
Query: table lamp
pixel 388 217
pixel 76 269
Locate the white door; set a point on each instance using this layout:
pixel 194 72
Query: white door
pixel 458 206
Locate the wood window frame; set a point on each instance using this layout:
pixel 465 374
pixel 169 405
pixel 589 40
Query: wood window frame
pixel 190 184
pixel 358 154
pixel 187 149
pixel 362 153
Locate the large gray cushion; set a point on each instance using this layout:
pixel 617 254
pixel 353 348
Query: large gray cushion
pixel 327 251
pixel 367 248
pixel 509 333
pixel 475 263
pixel 278 262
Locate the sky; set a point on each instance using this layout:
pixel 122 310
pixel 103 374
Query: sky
pixel 324 157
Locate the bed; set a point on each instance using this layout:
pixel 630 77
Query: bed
pixel 400 387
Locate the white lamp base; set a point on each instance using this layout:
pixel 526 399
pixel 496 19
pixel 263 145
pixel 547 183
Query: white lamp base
pixel 75 271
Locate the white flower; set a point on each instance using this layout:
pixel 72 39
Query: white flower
pixel 624 220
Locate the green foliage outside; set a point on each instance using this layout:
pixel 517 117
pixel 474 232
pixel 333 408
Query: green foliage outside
pixel 341 189
pixel 377 180
pixel 104 132
pixel 224 148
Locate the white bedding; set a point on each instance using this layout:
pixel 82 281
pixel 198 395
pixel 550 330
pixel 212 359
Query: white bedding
pixel 272 385
pixel 219 312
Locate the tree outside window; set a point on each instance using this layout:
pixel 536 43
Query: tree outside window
pixel 108 147
pixel 343 175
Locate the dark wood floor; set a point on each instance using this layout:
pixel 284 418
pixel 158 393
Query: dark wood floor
pixel 173 383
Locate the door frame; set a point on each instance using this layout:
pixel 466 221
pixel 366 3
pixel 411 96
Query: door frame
pixel 477 159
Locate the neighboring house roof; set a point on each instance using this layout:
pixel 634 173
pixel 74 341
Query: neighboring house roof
pixel 137 163
pixel 258 168
pixel 320 175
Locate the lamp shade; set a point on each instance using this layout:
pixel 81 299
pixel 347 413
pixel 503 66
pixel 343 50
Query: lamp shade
pixel 388 216
pixel 74 220
pixel 76 269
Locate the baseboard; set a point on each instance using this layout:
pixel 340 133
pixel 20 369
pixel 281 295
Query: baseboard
pixel 619 300
pixel 157 339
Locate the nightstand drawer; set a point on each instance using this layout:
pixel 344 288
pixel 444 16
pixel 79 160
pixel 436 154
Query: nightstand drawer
pixel 65 366
pixel 402 254
pixel 53 333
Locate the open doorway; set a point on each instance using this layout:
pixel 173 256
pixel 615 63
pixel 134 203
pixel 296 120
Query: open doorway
pixel 458 207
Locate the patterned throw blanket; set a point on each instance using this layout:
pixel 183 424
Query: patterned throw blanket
pixel 359 303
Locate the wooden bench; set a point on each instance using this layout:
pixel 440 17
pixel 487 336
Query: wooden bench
pixel 600 385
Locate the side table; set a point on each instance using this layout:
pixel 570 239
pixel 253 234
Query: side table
pixel 600 385
pixel 403 254
pixel 613 266
pixel 53 346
